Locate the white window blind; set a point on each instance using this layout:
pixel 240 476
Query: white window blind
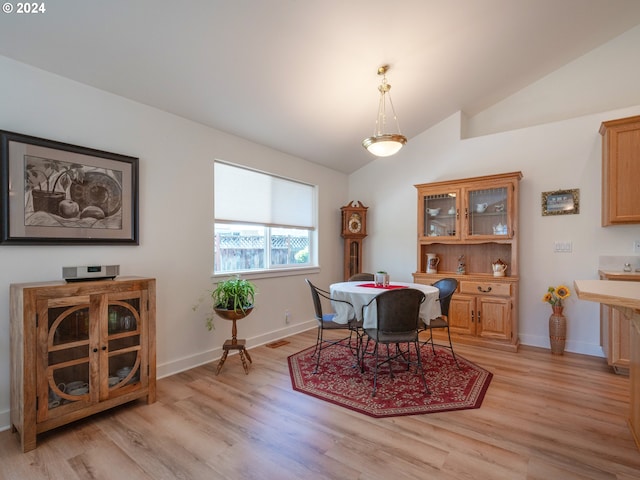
pixel 248 196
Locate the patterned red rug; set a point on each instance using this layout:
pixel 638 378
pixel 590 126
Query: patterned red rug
pixel 339 382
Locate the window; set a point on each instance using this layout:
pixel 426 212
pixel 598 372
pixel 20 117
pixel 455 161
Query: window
pixel 270 226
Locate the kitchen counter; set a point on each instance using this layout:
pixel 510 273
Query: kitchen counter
pixel 611 292
pixel 615 328
pixel 619 275
pixel 624 296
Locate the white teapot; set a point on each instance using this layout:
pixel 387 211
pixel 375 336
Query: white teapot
pixel 481 207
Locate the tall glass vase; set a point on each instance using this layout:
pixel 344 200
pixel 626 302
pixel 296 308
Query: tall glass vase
pixel 557 330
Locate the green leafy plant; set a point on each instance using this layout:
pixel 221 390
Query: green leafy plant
pixel 235 294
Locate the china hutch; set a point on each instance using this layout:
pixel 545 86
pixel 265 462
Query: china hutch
pixel 471 225
pixel 79 348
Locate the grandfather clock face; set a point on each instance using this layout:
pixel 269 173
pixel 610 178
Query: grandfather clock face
pixel 354 220
pixel 354 229
pixel 354 223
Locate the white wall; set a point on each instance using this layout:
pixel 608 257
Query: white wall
pixel 563 154
pixel 604 79
pixel 176 199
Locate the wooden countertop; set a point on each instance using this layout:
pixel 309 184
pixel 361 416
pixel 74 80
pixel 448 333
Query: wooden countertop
pixel 611 292
pixel 619 275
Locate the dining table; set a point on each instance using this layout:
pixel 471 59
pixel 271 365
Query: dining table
pixel 361 293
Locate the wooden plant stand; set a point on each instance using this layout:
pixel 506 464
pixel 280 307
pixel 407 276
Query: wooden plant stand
pixel 233 343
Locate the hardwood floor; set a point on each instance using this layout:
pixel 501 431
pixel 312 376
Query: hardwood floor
pixel 543 417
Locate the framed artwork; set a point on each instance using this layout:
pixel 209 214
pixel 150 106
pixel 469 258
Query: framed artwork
pixel 54 193
pixel 561 202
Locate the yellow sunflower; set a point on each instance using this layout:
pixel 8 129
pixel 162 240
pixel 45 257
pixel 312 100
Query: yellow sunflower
pixel 562 292
pixel 555 295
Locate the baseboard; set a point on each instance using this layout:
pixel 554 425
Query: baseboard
pixel 5 420
pixel 571 346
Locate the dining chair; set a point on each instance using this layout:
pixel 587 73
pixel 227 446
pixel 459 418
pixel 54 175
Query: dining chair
pixel 325 322
pixel 446 287
pixel 397 323
pixel 362 277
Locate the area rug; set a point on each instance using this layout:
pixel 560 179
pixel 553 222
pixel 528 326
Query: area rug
pixel 338 381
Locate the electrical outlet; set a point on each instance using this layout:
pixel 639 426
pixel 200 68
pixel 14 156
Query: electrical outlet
pixel 636 246
pixel 287 316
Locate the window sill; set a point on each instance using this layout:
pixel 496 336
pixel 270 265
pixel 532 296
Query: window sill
pixel 285 272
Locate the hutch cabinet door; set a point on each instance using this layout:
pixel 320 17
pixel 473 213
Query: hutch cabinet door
pixel 439 213
pixel 494 318
pixel 488 212
pixel 123 364
pixel 462 314
pixel 63 372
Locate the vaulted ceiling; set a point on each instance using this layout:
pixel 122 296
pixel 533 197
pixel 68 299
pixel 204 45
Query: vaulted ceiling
pixel 300 75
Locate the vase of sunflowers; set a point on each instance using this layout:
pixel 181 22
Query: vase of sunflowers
pixel 557 320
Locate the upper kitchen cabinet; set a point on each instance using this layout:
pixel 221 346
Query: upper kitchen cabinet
pixel 620 171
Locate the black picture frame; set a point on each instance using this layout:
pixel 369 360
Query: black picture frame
pixel 561 202
pixel 84 196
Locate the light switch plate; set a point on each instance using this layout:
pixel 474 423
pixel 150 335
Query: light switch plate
pixel 562 247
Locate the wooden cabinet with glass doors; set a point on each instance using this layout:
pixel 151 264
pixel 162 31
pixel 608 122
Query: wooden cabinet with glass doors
pixel 471 225
pixel 77 349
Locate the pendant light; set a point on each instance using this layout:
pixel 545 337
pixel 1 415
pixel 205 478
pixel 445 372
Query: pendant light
pixel 383 144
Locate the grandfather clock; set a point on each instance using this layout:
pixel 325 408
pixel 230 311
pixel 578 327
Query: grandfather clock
pixel 354 229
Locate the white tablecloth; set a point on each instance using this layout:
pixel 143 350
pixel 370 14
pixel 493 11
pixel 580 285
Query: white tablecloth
pixel 359 296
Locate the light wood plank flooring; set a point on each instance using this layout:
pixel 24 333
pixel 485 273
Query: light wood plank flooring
pixel 544 417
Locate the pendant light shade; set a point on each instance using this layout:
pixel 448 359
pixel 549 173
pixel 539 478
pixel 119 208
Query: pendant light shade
pixel 382 143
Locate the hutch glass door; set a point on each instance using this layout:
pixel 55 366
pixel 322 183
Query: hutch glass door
pixel 441 214
pixel 124 342
pixel 64 369
pixel 488 212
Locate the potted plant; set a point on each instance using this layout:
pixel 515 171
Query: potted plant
pixel 382 278
pixel 557 320
pixel 232 299
pixel 236 294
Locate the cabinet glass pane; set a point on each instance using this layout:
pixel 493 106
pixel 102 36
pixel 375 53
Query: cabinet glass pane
pixel 440 215
pixel 68 354
pixel 69 384
pixel 123 316
pixel 69 324
pixel 125 368
pixel 488 212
